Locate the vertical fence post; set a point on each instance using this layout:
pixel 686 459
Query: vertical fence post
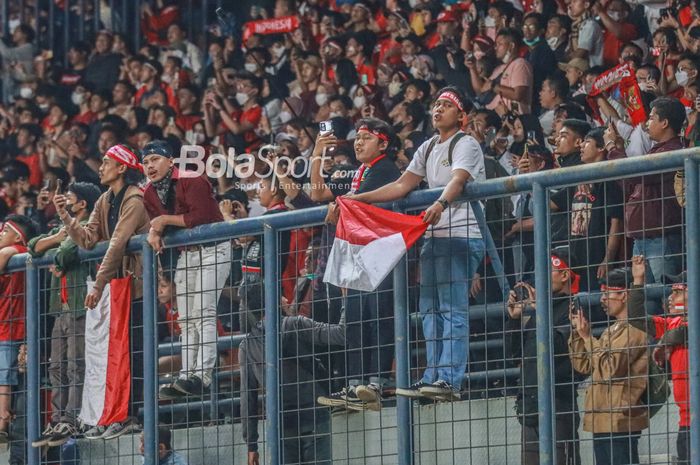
pixel 150 403
pixel 270 264
pixel 692 218
pixel 544 339
pixel 33 405
pixel 403 404
pixel 491 248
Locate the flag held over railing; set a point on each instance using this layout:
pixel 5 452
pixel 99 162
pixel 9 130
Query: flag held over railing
pixel 369 242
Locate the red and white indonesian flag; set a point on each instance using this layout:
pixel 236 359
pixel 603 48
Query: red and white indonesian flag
pixel 369 242
pixel 107 367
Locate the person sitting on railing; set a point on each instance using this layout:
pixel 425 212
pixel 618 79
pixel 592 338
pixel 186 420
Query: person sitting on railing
pixel 617 363
pixel 67 303
pixel 672 333
pixel 305 429
pixel 521 346
pixel 179 199
pixel 652 214
pixel 16 231
pixel 119 214
pixel 453 249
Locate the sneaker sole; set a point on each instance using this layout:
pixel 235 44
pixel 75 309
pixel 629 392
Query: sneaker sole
pixel 439 394
pixel 40 443
pixel 409 393
pixel 127 429
pixel 94 438
pixel 367 395
pixel 332 402
pixel 58 442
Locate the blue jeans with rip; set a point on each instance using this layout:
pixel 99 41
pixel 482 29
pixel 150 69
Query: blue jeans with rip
pixel 447 265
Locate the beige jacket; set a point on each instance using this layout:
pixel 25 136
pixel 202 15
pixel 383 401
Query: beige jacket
pixel 133 220
pixel 617 363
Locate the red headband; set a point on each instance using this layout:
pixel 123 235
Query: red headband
pixel 679 287
pixel 559 264
pixel 124 155
pixel 15 227
pixel 451 97
pixel 381 135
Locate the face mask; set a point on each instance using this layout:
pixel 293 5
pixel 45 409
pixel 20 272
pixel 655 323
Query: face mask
pixel 285 116
pixel 394 88
pixel 507 57
pixel 532 42
pixel 241 98
pixel 77 98
pixel 277 52
pixel 553 42
pixel 510 139
pixel 13 23
pixel 614 15
pixel 682 78
pixel 350 51
pixel 44 107
pixel 321 99
pixel 359 101
pixel 251 67
pixel 415 72
pixel 26 92
pixel 334 114
pixel 489 21
pixel 407 59
pixel 643 86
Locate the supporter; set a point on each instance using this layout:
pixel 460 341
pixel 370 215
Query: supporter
pixel 652 215
pixel 619 353
pixel 16 231
pixel 358 49
pixel 150 78
pixel 78 55
pixel 122 99
pixel 102 71
pixel 575 70
pixel 554 92
pixel 444 270
pixel 540 56
pixel 557 36
pixel 521 346
pixel 118 215
pixel 166 454
pixel 370 331
pixel 156 17
pixel 665 52
pixel 27 137
pixel 615 20
pixel 586 38
pixel 174 200
pixel 67 304
pixel 183 49
pixel 18 60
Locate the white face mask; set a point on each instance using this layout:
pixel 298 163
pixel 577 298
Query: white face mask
pixel 359 101
pixel 682 78
pixel 241 98
pixel 614 15
pixel 44 107
pixel 194 138
pixel 394 88
pixel 490 21
pixel 507 57
pixel 510 140
pixel 251 67
pixel 26 92
pixel 553 42
pixel 13 23
pixel 285 116
pixel 334 114
pixel 321 99
pixel 415 72
pixel 77 98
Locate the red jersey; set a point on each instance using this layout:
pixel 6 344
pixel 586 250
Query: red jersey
pixel 612 45
pixel 679 366
pixel 32 162
pixel 12 304
pixel 187 122
pixel 252 115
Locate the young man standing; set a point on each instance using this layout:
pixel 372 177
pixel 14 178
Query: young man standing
pixel 453 249
pixel 118 215
pixel 177 199
pixel 67 302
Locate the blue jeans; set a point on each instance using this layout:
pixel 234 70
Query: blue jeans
pixel 447 266
pixel 616 448
pixel 662 254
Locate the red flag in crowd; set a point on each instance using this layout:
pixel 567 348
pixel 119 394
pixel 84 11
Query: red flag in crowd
pixel 270 26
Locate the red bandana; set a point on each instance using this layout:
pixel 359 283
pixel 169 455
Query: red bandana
pixel 451 97
pixel 606 288
pixel 381 135
pixel 15 227
pixel 559 264
pixel 124 155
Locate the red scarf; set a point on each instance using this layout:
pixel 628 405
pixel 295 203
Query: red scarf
pixel 361 174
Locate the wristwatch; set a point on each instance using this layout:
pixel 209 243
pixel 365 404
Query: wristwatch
pixel 444 203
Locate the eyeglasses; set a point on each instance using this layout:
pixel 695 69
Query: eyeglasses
pixel 530 27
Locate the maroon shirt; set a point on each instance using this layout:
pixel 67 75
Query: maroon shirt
pixel 194 200
pixel 651 208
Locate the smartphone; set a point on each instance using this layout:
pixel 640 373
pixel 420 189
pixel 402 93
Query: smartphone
pixel 576 305
pixel 59 186
pixel 326 127
pixel 47 185
pixel 531 136
pixel 515 107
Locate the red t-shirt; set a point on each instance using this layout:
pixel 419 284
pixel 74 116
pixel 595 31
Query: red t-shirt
pixel 612 46
pixel 679 366
pixel 12 304
pixel 252 115
pixel 35 174
pixel 364 69
pixel 385 47
pixel 187 122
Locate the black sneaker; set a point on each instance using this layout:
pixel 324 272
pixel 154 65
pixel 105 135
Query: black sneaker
pixel 115 430
pixel 62 433
pixel 168 392
pixel 45 436
pixel 345 398
pixel 191 386
pixel 413 391
pixel 371 395
pixel 441 390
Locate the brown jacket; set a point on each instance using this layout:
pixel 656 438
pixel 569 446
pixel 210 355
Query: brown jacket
pixel 133 220
pixel 618 365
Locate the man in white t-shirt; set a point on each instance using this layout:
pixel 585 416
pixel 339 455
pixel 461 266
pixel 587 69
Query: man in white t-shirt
pixel 453 247
pixel 586 39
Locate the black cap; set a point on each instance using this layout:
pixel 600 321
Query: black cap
pixel 681 278
pixel 157 147
pixel 566 255
pixel 619 278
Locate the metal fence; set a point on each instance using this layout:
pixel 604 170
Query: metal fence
pixel 481 427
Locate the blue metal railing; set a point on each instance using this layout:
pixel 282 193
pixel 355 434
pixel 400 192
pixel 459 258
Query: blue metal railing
pixel 269 226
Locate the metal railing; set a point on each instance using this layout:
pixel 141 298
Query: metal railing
pixel 270 226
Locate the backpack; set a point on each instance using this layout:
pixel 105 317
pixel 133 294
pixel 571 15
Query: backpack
pixel 431 145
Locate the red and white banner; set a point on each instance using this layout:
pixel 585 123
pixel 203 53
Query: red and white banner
pixel 270 26
pixel 107 363
pixel 369 242
pixel 621 84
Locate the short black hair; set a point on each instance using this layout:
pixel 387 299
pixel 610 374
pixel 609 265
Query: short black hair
pixel 344 99
pixel 33 130
pixel 129 86
pixel 572 110
pixel 539 19
pixel 596 135
pixel 28 31
pixel 654 72
pixel 619 277
pixel 152 130
pixel 563 20
pixel 559 83
pixel 416 111
pixel 513 34
pixel 254 80
pixel 671 109
pixel 492 118
pixel 238 195
pixel 165 437
pixel 393 141
pixel 580 127
pixel 28 226
pixel 463 101
pixel 86 191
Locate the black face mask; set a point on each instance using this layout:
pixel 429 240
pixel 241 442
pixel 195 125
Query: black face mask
pixel 399 126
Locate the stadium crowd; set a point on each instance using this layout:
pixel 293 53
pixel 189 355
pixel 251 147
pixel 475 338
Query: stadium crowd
pixel 368 100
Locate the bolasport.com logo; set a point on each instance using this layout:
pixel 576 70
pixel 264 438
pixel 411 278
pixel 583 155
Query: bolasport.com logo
pixel 268 162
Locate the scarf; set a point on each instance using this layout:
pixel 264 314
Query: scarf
pixel 575 28
pixel 163 187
